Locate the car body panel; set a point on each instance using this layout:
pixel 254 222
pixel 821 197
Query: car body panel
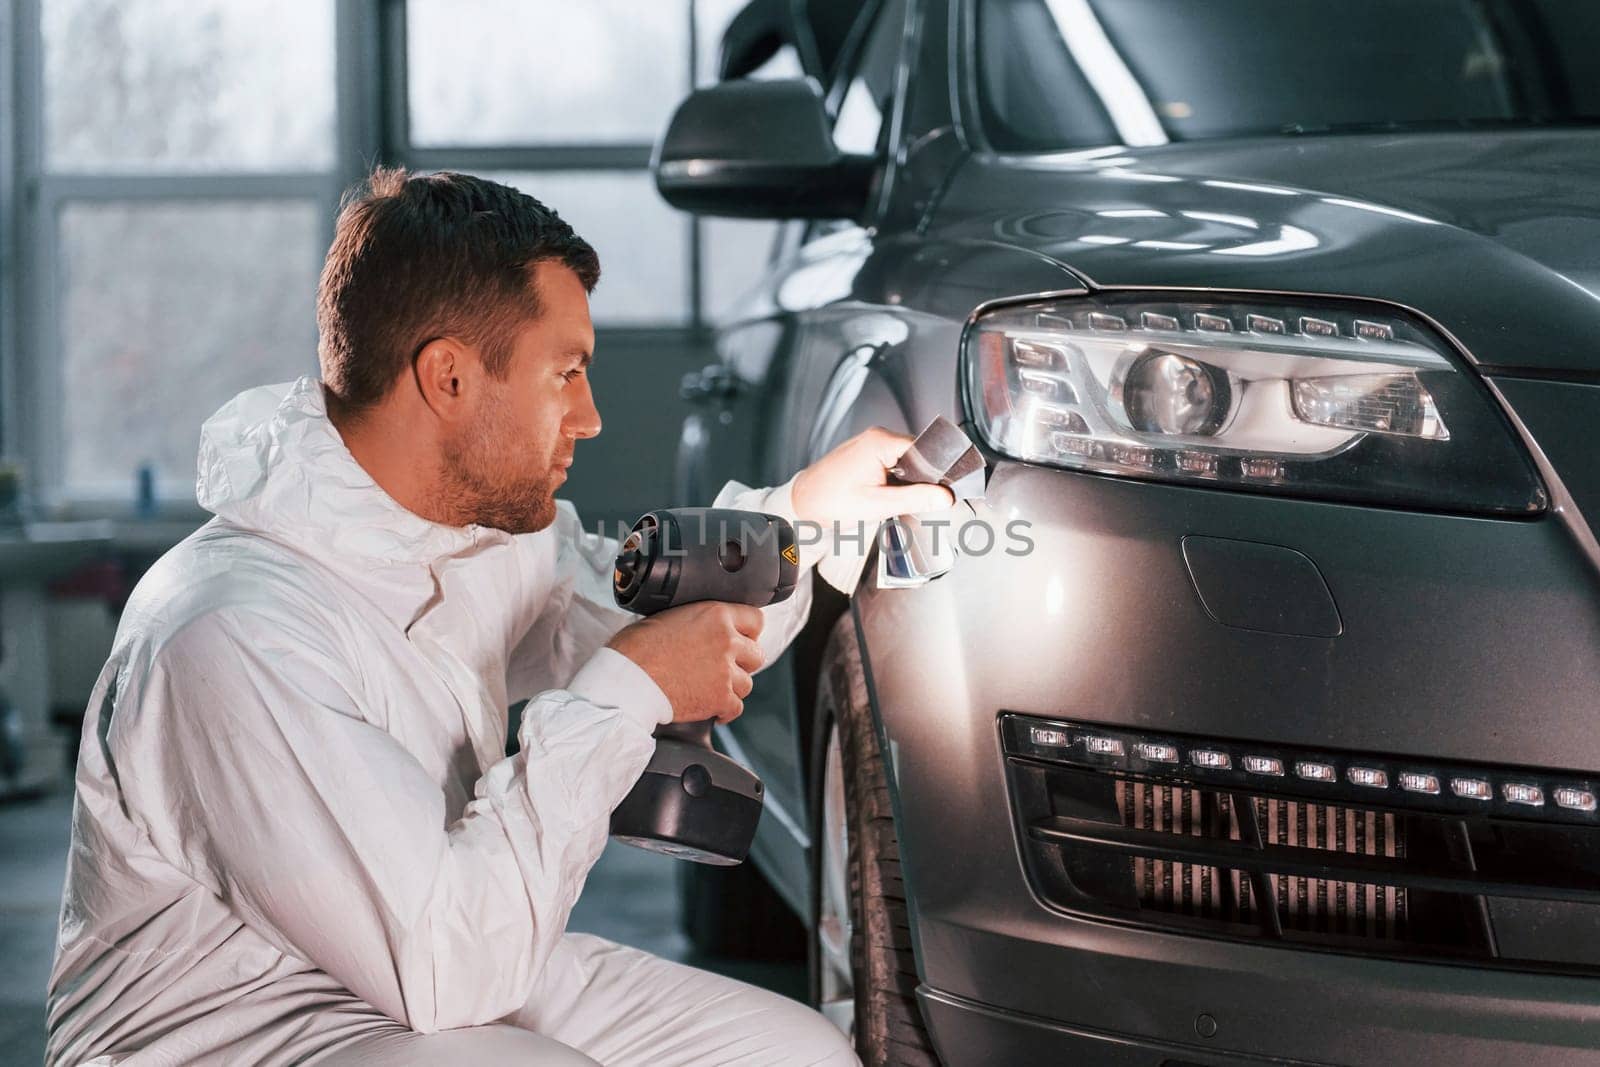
pixel 1502 269
pixel 1102 623
pixel 1563 418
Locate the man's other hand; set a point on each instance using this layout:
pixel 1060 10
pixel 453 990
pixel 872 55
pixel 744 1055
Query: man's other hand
pixel 701 655
pixel 851 483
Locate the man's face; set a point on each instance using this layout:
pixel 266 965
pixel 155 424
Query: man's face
pixel 503 468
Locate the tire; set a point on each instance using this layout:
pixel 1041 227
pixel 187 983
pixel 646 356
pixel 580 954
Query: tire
pixel 734 913
pixel 885 1022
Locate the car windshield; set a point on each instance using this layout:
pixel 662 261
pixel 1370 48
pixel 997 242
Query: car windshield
pixel 1062 74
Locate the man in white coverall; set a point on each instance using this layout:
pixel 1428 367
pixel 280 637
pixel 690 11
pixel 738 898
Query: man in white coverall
pixel 296 837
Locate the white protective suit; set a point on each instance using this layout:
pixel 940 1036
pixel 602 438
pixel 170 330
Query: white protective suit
pixel 297 837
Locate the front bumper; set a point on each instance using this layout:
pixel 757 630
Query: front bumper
pixel 1460 638
pixel 968 1032
pixel 1039 992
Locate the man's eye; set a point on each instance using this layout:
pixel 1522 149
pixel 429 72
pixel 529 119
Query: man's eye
pixel 573 374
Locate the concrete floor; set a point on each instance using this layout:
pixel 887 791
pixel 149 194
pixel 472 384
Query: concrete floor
pixel 631 896
pixel 33 857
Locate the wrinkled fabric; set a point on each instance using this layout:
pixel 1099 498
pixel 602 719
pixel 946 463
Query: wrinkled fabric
pixel 295 830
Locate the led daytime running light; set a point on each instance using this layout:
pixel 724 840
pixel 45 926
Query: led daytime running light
pixel 1319 777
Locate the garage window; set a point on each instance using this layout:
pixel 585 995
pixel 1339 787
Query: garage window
pixel 188 86
pixel 509 72
pixel 180 304
pixel 177 166
pixel 179 171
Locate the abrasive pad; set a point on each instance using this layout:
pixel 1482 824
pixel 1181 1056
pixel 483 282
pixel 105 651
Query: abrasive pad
pixel 940 455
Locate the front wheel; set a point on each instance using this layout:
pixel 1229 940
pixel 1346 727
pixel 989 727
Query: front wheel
pixel 863 974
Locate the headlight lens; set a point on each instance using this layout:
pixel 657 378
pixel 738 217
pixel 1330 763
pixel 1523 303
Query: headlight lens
pixel 1314 398
pixel 1175 395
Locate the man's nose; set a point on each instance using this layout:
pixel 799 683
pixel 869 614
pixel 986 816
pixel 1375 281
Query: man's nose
pixel 583 419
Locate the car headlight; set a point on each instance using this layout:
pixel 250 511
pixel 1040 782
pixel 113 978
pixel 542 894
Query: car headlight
pixel 1315 398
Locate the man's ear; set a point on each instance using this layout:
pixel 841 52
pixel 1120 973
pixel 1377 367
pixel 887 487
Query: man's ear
pixel 448 374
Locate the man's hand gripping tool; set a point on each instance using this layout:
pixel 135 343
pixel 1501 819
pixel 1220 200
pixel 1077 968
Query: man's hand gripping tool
pixel 692 801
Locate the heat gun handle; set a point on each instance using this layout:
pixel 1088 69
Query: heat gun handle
pixel 690 733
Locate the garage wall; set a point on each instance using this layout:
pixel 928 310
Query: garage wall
pixel 627 470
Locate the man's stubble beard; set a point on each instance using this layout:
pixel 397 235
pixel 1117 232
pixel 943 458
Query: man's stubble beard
pixel 475 487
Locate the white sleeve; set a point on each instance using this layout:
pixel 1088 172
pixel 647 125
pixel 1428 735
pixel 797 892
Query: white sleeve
pixel 578 616
pixel 581 615
pixel 244 753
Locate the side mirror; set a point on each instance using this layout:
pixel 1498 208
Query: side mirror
pixel 760 150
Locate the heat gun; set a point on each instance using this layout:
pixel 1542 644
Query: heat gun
pixel 692 801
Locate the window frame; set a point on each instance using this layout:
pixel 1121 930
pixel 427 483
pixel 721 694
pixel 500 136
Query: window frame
pixel 891 134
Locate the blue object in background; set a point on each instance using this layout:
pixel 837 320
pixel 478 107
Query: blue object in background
pixel 144 504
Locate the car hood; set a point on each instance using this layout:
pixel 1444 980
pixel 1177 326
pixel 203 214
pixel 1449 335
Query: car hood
pixel 1496 236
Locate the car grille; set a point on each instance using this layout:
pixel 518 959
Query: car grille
pixel 1220 853
pixel 1321 905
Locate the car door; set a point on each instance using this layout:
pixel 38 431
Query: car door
pixel 774 364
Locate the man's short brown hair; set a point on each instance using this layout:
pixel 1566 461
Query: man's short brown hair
pixel 419 257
